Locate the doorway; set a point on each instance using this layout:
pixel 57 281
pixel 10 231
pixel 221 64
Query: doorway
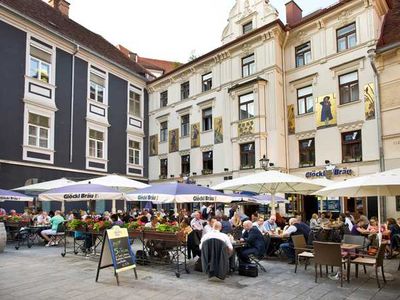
pixel 310 207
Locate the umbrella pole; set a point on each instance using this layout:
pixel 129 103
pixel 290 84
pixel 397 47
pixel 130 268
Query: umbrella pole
pixel 273 210
pixel 113 208
pixel 63 206
pixel 176 207
pixel 379 218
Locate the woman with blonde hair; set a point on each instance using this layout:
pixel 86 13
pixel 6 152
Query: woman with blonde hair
pixel 235 220
pixel 314 221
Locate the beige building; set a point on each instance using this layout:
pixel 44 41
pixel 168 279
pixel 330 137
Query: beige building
pixel 302 94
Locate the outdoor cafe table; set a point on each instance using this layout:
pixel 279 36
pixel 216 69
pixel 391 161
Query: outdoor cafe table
pixel 349 247
pixel 32 233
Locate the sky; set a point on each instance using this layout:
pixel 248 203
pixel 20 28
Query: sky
pixel 166 29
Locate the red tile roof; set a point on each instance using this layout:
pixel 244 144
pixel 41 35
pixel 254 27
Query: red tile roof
pixel 151 63
pixel 42 13
pixel 390 29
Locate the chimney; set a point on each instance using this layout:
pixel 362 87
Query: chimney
pixel 133 56
pixel 61 5
pixel 294 13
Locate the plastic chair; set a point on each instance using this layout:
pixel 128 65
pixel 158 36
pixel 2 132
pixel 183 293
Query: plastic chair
pixel 60 233
pixel 301 250
pixel 328 254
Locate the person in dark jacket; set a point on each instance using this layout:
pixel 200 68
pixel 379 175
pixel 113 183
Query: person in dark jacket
pixel 255 243
pixel 295 228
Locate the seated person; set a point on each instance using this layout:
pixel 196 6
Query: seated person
pixel 197 222
pixel 215 233
pixel 55 221
pixel 358 228
pixel 270 225
pixel 153 224
pixel 373 226
pixel 226 225
pixel 43 219
pixel 209 226
pixel 295 228
pixel 259 224
pixel 255 243
pixel 314 221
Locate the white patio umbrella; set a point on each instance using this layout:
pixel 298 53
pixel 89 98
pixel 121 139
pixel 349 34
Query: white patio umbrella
pixel 378 184
pixel 45 186
pixel 6 195
pixel 270 182
pixel 80 192
pixel 118 182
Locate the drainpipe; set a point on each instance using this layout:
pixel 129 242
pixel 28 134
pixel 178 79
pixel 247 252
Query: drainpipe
pixel 71 141
pixel 372 56
pixel 284 101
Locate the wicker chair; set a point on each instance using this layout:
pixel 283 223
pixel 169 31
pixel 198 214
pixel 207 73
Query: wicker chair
pixel 301 250
pixel 328 254
pixel 373 261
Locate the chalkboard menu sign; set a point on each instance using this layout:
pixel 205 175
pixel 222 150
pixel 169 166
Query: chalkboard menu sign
pixel 116 252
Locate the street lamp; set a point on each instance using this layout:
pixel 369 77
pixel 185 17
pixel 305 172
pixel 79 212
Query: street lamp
pixel 265 164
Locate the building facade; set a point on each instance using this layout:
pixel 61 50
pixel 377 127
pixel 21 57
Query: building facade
pixel 302 94
pixel 72 105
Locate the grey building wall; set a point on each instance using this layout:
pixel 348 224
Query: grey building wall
pixel 12 65
pixel 117 117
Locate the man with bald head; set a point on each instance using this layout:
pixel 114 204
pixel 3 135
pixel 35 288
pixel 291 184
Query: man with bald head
pixel 295 228
pixel 215 233
pixel 255 243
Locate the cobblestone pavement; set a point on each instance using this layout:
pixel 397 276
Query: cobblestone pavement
pixel 41 273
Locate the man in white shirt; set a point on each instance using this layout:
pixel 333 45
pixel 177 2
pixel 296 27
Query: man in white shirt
pixel 209 226
pixel 43 218
pixel 260 225
pixel 216 233
pixel 197 222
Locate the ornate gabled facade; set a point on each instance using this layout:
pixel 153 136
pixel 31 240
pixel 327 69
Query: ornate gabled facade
pixel 302 94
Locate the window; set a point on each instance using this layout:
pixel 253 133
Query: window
pixel 134 152
pixel 346 37
pixel 185 90
pixel 185 125
pixel 97 86
pixel 305 101
pixel 303 54
pixel 38 131
pixel 247 156
pixel 135 102
pixel 248 65
pixel 306 153
pixel 207 162
pixel 351 146
pixel 207 119
pixel 164 99
pixel 206 82
pixel 40 64
pixel 163 131
pixel 246 106
pixel 247 27
pixel 96 143
pixel 348 86
pixel 163 168
pixel 185 165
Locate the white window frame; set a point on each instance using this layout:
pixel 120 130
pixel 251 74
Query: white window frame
pixel 250 67
pixel 89 158
pixel 140 93
pixel 165 139
pixel 51 51
pixel 38 136
pixel 134 150
pixel 103 75
pixel 26 147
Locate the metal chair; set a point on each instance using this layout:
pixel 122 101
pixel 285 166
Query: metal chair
pixel 375 261
pixel 59 235
pixel 328 254
pixel 301 250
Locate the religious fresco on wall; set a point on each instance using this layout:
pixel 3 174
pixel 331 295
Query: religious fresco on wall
pixel 325 107
pixel 369 101
pixel 195 135
pixel 174 140
pixel 154 145
pixel 218 131
pixel 291 119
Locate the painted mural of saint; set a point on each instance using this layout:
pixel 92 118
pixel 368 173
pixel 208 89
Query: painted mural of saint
pixel 326 111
